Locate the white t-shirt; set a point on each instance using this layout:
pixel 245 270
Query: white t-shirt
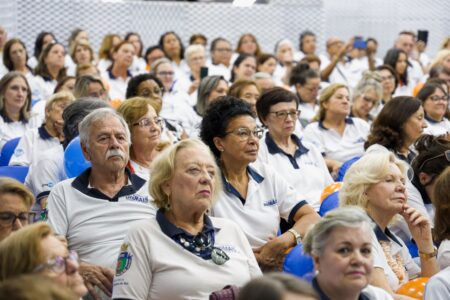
pixel 140 171
pixel 10 130
pixel 32 145
pixel 306 171
pixel 117 85
pixel 437 128
pixel 94 224
pixel 443 257
pixel 269 198
pixel 152 265
pixel 438 287
pixel 334 146
pixel 370 292
pixel 46 86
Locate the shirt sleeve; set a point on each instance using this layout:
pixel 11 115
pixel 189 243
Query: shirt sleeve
pixel 22 153
pixel 437 287
pixel 133 272
pixel 443 257
pixel 57 211
pixel 311 136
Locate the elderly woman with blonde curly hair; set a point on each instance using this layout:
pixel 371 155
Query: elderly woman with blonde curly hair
pixel 183 244
pixel 376 183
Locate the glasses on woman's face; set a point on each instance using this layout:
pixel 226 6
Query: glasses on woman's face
pixel 244 133
pixel 7 219
pixel 147 122
pixel 437 98
pixel 58 264
pixel 387 78
pixel 283 114
pixel 165 74
pixel 446 154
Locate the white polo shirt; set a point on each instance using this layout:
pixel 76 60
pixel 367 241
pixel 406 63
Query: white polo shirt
pixel 437 128
pixel 438 287
pixel 443 257
pixel 397 247
pixel 269 198
pixel 46 86
pixel 151 265
pixel 306 170
pixel 10 129
pixel 32 145
pixel 94 224
pixel 117 85
pixel 334 146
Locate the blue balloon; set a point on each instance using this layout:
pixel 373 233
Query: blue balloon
pixel 329 203
pixel 343 169
pixel 74 161
pixel 299 264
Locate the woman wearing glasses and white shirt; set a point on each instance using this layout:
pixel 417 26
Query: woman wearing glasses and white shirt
pixel 254 195
pixel 302 167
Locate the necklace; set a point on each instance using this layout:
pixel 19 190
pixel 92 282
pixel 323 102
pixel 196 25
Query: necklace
pixel 202 246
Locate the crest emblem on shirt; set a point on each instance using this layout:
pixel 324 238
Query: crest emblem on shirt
pixel 18 152
pixel 124 260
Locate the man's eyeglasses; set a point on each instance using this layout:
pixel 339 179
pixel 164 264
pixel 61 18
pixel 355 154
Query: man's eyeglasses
pixel 283 114
pixel 59 263
pixel 149 122
pixel 8 218
pixel 244 133
pixel 446 154
pixel 437 98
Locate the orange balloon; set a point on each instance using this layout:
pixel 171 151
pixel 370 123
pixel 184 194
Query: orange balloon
pixel 414 288
pixel 330 189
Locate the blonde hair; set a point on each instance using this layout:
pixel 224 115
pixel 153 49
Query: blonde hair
pixel 5 81
pixel 21 252
pixel 439 58
pixel 326 94
pixel 60 97
pixel 12 186
pixel 163 169
pixel 83 43
pixel 370 169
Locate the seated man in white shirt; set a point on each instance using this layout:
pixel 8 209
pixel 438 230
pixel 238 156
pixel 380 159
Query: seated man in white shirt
pixel 94 210
pixel 38 140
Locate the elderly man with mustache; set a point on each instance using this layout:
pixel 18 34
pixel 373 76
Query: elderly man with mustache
pixel 94 210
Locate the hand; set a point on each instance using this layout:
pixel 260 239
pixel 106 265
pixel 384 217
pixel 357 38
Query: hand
pixel 420 228
pixel 94 275
pixel 271 256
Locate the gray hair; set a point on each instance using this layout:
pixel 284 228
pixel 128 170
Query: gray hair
pixel 345 217
pixel 191 49
pixel 155 65
pixel 100 114
pixel 369 81
pixel 207 85
pixel 82 85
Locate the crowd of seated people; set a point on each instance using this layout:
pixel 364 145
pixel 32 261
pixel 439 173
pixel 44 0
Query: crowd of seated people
pixel 200 167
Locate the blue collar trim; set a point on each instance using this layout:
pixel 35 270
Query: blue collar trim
pixel 274 149
pixel 172 231
pixel 386 235
pixel 43 133
pixel 111 75
pixel 230 188
pixel 432 121
pixel 322 295
pixel 81 183
pixel 348 120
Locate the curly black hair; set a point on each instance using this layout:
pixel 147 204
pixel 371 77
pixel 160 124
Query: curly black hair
pixel 217 117
pixel 387 129
pixel 133 84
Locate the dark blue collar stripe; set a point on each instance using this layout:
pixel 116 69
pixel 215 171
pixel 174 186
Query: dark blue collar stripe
pixel 322 295
pixel 348 120
pixel 81 183
pixel 171 230
pixel 43 133
pixel 432 121
pixel 274 149
pixel 294 211
pixel 230 188
pixel 386 235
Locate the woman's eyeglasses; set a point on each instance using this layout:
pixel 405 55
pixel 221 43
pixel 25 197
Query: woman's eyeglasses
pixel 244 133
pixel 283 114
pixel 446 154
pixel 8 218
pixel 437 98
pixel 147 122
pixel 58 264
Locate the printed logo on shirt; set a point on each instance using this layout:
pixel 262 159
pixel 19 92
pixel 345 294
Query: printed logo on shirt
pixel 271 202
pixel 18 152
pixel 49 184
pixel 360 140
pixel 124 260
pixel 311 163
pixel 137 198
pixel 228 248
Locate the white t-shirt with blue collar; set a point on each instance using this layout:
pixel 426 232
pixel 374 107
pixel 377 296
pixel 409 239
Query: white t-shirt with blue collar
pixel 117 85
pixel 12 129
pixel 334 146
pixel 306 170
pixel 437 128
pixel 269 198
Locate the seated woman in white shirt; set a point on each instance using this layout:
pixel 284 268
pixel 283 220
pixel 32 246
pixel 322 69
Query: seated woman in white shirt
pixel 244 67
pixel 389 83
pixel 50 69
pixel 211 88
pixel 105 52
pixel 183 245
pixel 284 51
pixel 376 183
pixel 42 40
pixel 15 107
pixel 302 167
pixel 15 57
pixel 35 142
pixel 195 56
pixel 139 62
pixel 398 60
pixel 220 58
pixel 266 63
pixel 337 136
pixel 246 90
pixel 366 95
pixel 441 219
pixel 81 53
pixel 173 48
pixel 435 99
pixel 141 115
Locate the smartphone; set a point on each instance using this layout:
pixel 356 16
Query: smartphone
pixel 422 35
pixel 203 72
pixel 359 43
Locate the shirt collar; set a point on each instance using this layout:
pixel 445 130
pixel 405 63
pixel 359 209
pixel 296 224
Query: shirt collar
pixel 111 75
pixel 274 149
pixel 408 158
pixel 432 121
pixel 322 295
pixel 348 120
pixel 81 183
pixel 385 235
pixel 7 119
pixel 43 133
pixel 172 231
pixel 230 188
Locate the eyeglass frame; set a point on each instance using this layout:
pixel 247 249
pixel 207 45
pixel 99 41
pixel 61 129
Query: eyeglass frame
pixel 29 218
pixel 258 133
pixel 445 98
pixel 279 114
pixel 52 263
pixel 446 154
pixel 158 121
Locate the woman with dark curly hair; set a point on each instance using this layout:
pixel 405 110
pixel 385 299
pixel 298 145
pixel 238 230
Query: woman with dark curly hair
pixel 254 195
pixel 399 124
